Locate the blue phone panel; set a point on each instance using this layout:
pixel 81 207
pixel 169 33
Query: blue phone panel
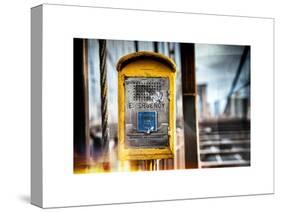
pixel 147 122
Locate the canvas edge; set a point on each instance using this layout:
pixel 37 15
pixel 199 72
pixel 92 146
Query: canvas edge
pixel 36 106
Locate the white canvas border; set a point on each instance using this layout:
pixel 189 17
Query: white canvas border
pixel 62 23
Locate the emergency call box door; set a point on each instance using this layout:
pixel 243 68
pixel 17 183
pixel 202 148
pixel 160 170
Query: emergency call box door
pixel 146 112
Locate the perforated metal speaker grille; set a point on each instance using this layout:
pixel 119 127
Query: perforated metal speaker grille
pixel 143 91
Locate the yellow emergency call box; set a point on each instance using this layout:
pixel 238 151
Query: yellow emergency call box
pixel 146 106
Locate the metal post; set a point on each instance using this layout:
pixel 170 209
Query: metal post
pixel 86 98
pixel 136 46
pixel 191 141
pixel 81 100
pixel 155 47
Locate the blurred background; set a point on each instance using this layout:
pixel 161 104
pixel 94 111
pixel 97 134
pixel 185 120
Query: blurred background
pixel 217 134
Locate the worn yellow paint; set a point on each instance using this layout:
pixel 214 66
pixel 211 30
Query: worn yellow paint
pixel 145 64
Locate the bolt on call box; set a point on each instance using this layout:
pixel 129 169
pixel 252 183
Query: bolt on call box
pixel 146 106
